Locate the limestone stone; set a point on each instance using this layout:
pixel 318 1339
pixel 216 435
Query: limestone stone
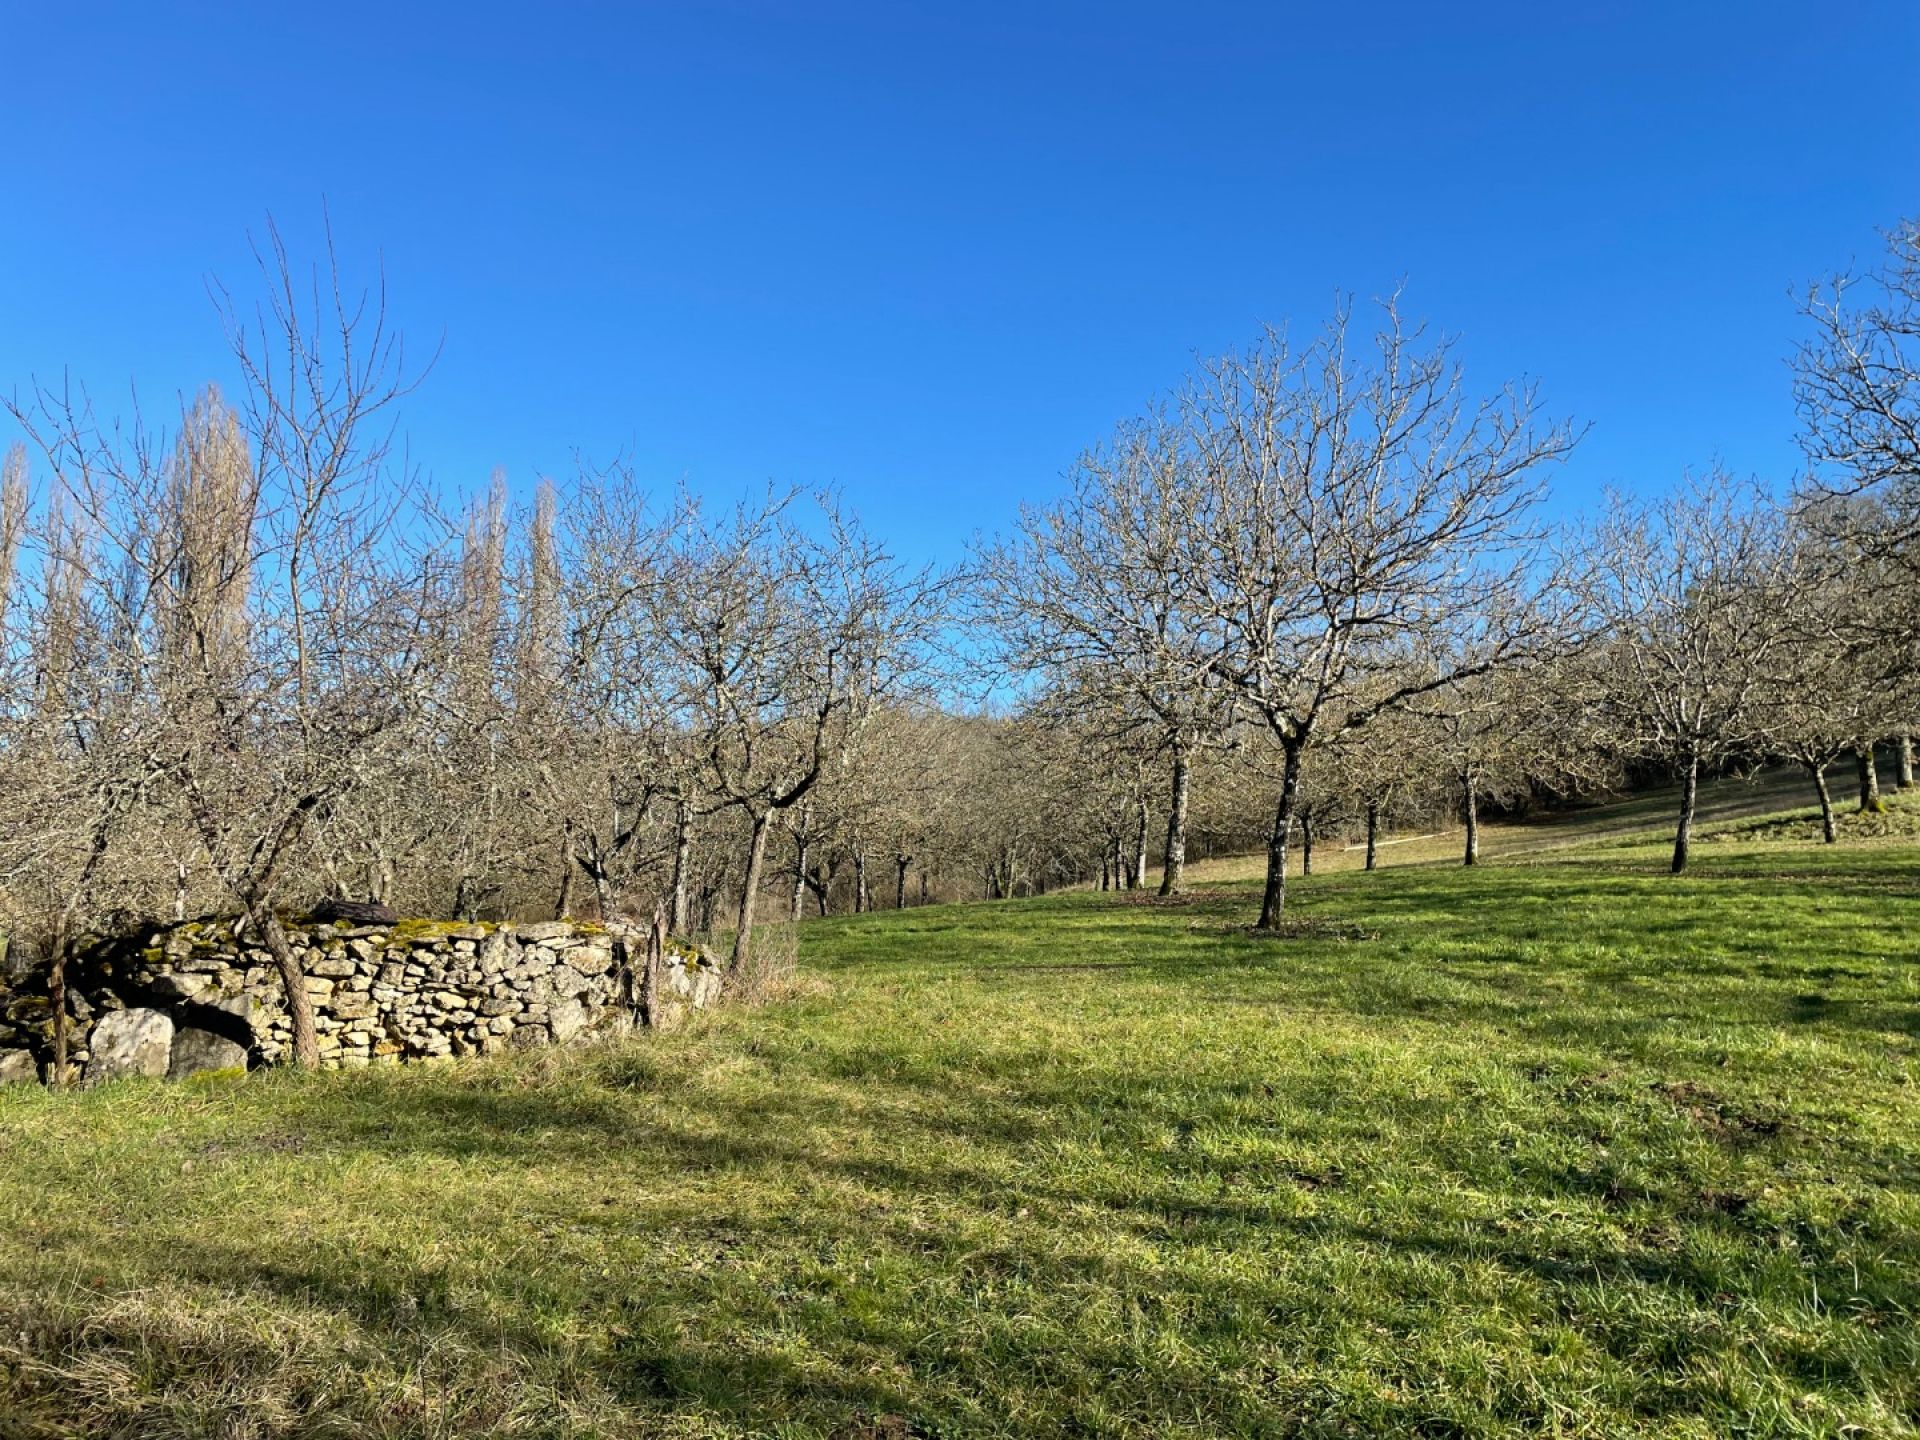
pixel 17 1067
pixel 129 1042
pixel 566 1019
pixel 196 1050
pixel 181 987
pixel 590 959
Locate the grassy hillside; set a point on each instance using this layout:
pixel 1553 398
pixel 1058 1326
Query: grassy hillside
pixel 1566 1146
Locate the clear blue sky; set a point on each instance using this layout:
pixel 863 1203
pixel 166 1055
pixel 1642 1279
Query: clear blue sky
pixel 928 252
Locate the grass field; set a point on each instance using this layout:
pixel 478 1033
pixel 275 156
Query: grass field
pixel 1562 1145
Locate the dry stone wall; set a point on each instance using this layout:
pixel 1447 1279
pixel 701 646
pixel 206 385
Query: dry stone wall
pixel 196 996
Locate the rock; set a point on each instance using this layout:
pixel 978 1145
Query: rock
pixel 29 1009
pixel 129 1042
pixel 545 930
pixel 497 952
pixel 566 1019
pixel 17 1067
pixel 590 959
pixel 195 1051
pixel 334 966
pixel 243 1006
pixel 180 987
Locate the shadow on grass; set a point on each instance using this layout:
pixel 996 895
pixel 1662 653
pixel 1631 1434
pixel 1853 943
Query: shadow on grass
pixel 793 1343
pixel 993 1232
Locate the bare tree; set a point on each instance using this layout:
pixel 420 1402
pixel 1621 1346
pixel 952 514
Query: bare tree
pixel 1098 592
pixel 784 644
pixel 249 596
pixel 1359 521
pixel 1683 588
pixel 1857 385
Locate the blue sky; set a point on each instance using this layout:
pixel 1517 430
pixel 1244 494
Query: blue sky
pixel 928 252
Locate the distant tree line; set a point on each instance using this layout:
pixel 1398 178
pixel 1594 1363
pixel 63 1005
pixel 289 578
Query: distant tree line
pixel 250 660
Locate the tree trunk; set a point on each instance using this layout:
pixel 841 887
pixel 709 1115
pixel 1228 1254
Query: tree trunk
pixel 923 884
pixel 1373 833
pixel 464 904
pixel 1903 762
pixel 57 992
pixel 1689 799
pixel 749 893
pixel 859 882
pixel 293 979
pixel 1819 773
pixel 1306 841
pixel 1137 878
pixel 682 859
pixel 1870 801
pixel 900 864
pixel 1173 877
pixel 563 902
pixel 650 968
pixel 1273 903
pixel 179 891
pixel 602 887
pixel 800 848
pixel 1470 791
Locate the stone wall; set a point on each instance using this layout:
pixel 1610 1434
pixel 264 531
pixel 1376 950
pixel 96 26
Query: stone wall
pixel 191 997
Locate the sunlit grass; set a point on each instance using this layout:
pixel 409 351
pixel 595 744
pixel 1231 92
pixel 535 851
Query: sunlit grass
pixel 1566 1146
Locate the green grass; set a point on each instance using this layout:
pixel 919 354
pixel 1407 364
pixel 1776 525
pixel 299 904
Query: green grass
pixel 1565 1146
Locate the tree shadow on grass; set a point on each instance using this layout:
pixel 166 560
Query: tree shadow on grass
pixel 804 1354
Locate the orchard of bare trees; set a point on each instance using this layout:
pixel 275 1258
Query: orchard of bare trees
pixel 1318 591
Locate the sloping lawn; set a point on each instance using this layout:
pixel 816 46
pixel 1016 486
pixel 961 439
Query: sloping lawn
pixel 1567 1148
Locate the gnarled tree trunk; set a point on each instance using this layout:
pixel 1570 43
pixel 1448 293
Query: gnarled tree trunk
pixel 1689 801
pixel 750 893
pixel 1870 801
pixel 1273 902
pixel 1373 833
pixel 1173 876
pixel 1819 773
pixel 293 979
pixel 1903 762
